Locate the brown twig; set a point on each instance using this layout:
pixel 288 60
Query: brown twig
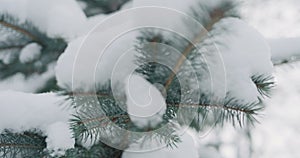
pixel 20 146
pixel 12 47
pixel 218 107
pixel 216 15
pixel 20 30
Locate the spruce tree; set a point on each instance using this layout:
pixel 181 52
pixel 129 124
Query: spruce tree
pixel 99 113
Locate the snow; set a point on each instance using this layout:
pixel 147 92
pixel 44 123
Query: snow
pixel 30 53
pixel 80 64
pixel 57 18
pixel 59 138
pixel 245 53
pixel 174 4
pixel 95 20
pixel 33 83
pixel 6 57
pixel 83 60
pixel 64 68
pixel 145 104
pixel 240 50
pixel 24 111
pixel 127 5
pixel 186 148
pixel 96 58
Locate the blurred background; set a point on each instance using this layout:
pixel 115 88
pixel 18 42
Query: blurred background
pixel 278 134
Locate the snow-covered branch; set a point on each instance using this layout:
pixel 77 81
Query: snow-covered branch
pixel 40 113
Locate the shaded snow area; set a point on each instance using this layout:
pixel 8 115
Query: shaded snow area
pixel 59 138
pixel 63 18
pixel 30 52
pixel 24 112
pixel 19 82
pixel 145 104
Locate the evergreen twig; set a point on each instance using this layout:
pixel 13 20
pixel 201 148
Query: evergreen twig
pixel 27 144
pixel 216 16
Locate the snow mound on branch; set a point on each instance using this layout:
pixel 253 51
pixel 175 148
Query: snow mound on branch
pixel 245 54
pixel 76 66
pixel 88 57
pixel 242 52
pixel 30 53
pixel 6 57
pixel 174 4
pixel 186 148
pixel 93 21
pixel 19 82
pixel 59 138
pixel 62 18
pixel 23 112
pixel 145 104
pixel 177 4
